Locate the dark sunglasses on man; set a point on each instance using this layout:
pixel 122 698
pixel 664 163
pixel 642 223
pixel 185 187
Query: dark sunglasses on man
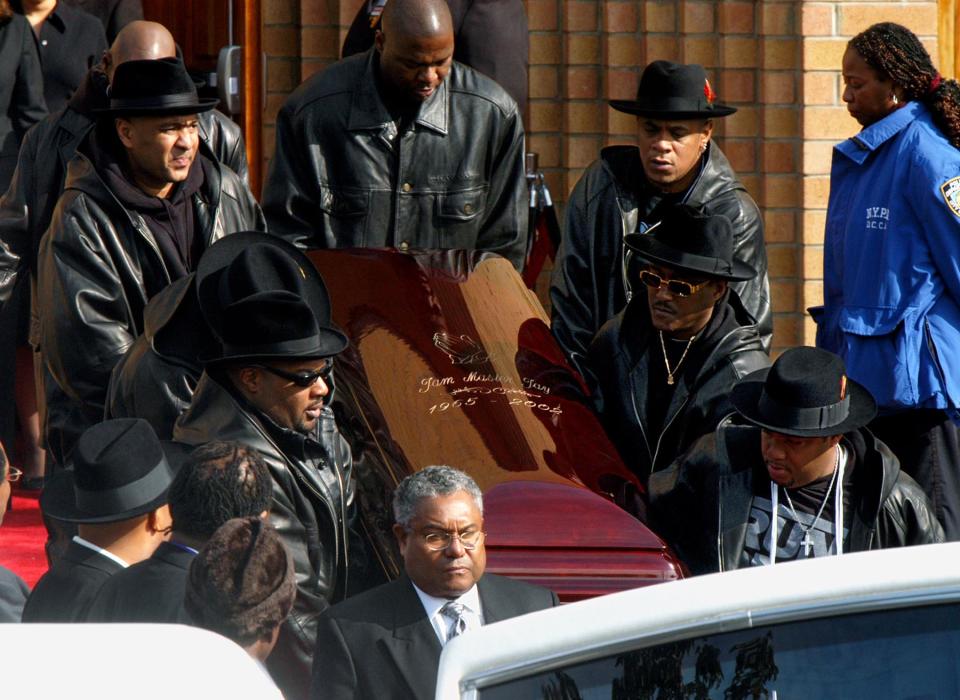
pixel 677 287
pixel 302 379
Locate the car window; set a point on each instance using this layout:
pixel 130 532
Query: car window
pixel 897 654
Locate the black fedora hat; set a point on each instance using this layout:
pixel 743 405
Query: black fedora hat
pixel 263 298
pixel 154 87
pixel 121 470
pixel 688 239
pixel 806 393
pixel 669 90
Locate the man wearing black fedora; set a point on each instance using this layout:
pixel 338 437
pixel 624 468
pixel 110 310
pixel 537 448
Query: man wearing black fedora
pixel 798 447
pixel 116 494
pixel 662 369
pixel 269 386
pixel 139 207
pixel 674 162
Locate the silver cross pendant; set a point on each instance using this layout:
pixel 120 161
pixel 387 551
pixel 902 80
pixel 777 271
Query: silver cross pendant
pixel 807 543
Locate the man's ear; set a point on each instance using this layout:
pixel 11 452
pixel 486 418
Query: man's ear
pixel 719 289
pixel 249 378
pixel 402 535
pixel 160 521
pixel 124 131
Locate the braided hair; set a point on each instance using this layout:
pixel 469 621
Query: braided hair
pixel 897 55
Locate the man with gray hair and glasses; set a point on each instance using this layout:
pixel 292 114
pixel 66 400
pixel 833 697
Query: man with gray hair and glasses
pixel 386 642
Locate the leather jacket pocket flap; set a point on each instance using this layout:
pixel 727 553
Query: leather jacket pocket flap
pixel 463 206
pixel 870 321
pixel 343 203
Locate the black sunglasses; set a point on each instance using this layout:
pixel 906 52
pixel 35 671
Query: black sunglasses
pixel 678 287
pixel 302 379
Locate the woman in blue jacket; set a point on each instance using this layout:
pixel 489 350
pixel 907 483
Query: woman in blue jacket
pixel 892 255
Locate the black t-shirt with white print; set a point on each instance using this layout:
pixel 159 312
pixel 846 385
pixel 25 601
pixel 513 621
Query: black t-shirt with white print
pixel 806 500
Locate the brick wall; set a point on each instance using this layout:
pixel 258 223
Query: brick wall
pixel 778 61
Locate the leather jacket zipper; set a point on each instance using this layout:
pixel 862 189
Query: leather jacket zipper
pixel 636 414
pixel 663 432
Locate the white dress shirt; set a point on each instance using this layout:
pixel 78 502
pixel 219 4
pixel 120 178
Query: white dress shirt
pixel 100 550
pixel 472 614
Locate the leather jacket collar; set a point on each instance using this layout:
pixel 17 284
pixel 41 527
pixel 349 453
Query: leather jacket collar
pixel 367 110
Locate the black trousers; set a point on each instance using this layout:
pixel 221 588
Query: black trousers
pixel 927 443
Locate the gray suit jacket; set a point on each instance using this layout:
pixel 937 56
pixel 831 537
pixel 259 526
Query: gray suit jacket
pixel 13 595
pixel 381 645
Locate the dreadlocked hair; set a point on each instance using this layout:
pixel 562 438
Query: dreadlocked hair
pixel 896 54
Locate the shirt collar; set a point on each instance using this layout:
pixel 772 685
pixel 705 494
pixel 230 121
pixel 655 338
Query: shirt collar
pixel 858 147
pixel 432 604
pixel 99 550
pixel 58 18
pixel 367 110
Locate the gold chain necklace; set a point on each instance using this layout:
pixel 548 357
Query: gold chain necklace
pixel 672 372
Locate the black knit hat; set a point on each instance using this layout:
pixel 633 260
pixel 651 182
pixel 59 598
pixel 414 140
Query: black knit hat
pixel 805 393
pixel 154 87
pixel 241 584
pixel 688 239
pixel 669 90
pixel 120 471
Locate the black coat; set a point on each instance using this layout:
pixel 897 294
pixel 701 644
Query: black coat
pixel 26 208
pixel 114 15
pixel 157 376
pixel 21 91
pixel 65 592
pixel 701 504
pixel 70 41
pixel 311 507
pixel 381 645
pixel 619 361
pixel 608 202
pixel 99 264
pixel 490 36
pixel 149 591
pixel 343 177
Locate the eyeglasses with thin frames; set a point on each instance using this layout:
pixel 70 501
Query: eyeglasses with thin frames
pixel 680 288
pixel 437 541
pixel 302 379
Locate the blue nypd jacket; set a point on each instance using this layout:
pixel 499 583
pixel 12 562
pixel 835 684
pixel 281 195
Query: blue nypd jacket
pixel 892 262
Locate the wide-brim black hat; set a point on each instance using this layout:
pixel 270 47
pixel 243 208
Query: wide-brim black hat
pixel 154 88
pixel 669 90
pixel 688 239
pixel 263 298
pixel 806 393
pixel 121 470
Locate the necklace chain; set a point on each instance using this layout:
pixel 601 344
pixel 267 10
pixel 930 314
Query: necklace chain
pixel 823 504
pixel 671 373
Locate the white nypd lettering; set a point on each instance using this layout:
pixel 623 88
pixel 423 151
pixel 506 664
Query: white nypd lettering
pixel 878 217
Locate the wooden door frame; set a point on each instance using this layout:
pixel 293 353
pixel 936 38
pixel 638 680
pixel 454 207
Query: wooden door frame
pixel 249 25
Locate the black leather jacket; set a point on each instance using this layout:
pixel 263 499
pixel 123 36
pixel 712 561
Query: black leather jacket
pixel 99 264
pixel 701 504
pixel 619 361
pixel 157 376
pixel 589 284
pixel 342 176
pixel 27 206
pixel 313 492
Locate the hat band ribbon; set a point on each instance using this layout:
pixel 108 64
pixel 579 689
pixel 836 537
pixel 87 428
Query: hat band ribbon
pixel 812 418
pixel 128 496
pixel 180 99
pixel 700 263
pixel 277 349
pixel 676 103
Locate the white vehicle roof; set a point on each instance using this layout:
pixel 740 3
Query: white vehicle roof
pixel 704 604
pixel 106 662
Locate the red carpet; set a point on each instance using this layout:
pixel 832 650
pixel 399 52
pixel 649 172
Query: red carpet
pixel 22 537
